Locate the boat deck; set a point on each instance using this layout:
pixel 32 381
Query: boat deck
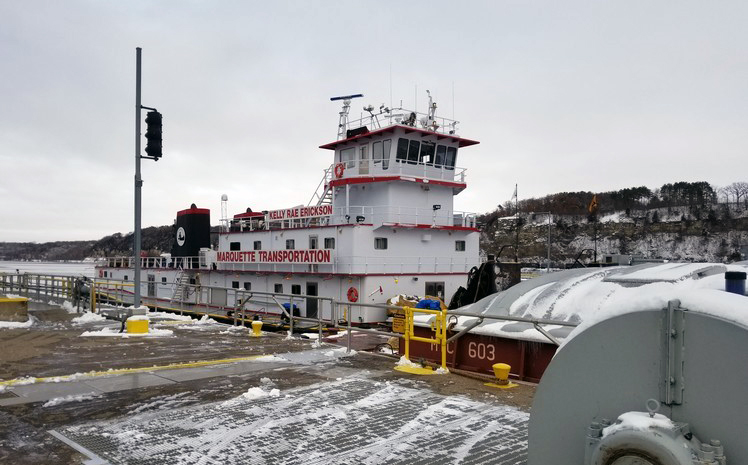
pixel 208 393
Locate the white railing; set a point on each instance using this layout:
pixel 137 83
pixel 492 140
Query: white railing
pixel 395 214
pixel 395 167
pixel 152 262
pixel 405 117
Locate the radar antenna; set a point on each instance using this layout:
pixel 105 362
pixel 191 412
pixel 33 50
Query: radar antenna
pixel 343 122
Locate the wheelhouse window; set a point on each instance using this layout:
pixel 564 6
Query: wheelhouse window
pixel 451 159
pixel 235 246
pixel 381 153
pixel 290 244
pixel 380 243
pixel 258 245
pixel 348 156
pixel 413 148
pixel 460 246
pixel 329 242
pixel 427 153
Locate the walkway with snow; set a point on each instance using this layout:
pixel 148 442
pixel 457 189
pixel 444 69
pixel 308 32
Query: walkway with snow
pixel 346 421
pixel 74 391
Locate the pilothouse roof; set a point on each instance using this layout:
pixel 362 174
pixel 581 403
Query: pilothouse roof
pixel 390 129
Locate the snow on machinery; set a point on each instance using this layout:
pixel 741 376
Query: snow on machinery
pixel 655 380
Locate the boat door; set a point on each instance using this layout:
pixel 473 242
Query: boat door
pixel 151 285
pixel 311 304
pixel 363 162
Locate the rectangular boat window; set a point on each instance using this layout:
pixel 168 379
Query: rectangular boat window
pixel 435 289
pixel 296 289
pixel 125 277
pixel 363 162
pixel 247 286
pixel 348 156
pixel 105 274
pixel 290 244
pixel 441 154
pixel 313 242
pixel 235 246
pixel 386 153
pixel 235 284
pixel 402 149
pixel 413 149
pixel 376 152
pixel 329 242
pixel 449 163
pixel 380 243
pixel 193 281
pixel 460 246
pixel 279 288
pixel 427 153
pixel 163 280
pixel 258 245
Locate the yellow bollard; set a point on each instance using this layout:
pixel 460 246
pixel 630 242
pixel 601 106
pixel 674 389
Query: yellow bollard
pixel 137 324
pixel 501 371
pixel 256 328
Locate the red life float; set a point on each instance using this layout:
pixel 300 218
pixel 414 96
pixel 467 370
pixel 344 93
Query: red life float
pixel 101 273
pixel 339 170
pixel 352 294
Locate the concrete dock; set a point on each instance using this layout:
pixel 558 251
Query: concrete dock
pixel 73 390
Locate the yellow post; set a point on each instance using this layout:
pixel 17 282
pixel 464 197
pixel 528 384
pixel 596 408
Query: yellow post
pixel 408 329
pixel 443 317
pixel 256 328
pixel 93 296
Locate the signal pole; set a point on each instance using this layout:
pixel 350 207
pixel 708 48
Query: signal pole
pixel 138 183
pixel 153 149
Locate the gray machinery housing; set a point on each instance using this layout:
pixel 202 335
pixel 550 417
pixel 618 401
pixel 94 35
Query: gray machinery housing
pixel 665 386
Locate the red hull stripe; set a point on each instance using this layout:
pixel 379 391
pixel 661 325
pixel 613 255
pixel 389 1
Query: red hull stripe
pixel 371 179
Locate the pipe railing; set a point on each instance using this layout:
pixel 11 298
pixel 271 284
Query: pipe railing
pixel 63 287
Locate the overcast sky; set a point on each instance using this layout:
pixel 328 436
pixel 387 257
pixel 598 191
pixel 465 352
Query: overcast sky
pixel 563 96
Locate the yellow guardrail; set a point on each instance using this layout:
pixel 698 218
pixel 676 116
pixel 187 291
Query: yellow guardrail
pixel 439 326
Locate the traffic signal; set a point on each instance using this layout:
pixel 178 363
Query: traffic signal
pixel 153 134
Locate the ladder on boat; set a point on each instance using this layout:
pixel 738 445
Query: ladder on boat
pixel 322 195
pixel 181 282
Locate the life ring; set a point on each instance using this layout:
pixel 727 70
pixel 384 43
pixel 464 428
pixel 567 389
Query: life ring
pixel 339 170
pixel 352 294
pixel 101 273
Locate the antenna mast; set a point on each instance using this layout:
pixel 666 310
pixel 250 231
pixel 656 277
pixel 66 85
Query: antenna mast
pixel 343 122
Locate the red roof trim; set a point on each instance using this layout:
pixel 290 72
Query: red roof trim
pixel 371 179
pixel 194 211
pixel 248 215
pixel 295 229
pixel 462 142
pixel 428 226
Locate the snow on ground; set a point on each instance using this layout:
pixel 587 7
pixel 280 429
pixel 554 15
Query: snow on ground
pixel 17 324
pixel 347 421
pixel 88 317
pixel 114 332
pixel 72 398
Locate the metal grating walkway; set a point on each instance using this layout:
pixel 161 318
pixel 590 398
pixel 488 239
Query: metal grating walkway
pixel 348 421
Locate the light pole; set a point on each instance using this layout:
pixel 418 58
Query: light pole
pixel 548 266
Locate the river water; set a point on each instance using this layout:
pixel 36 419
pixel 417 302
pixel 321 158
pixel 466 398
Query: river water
pixel 52 268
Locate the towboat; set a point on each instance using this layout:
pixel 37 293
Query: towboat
pixel 381 223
